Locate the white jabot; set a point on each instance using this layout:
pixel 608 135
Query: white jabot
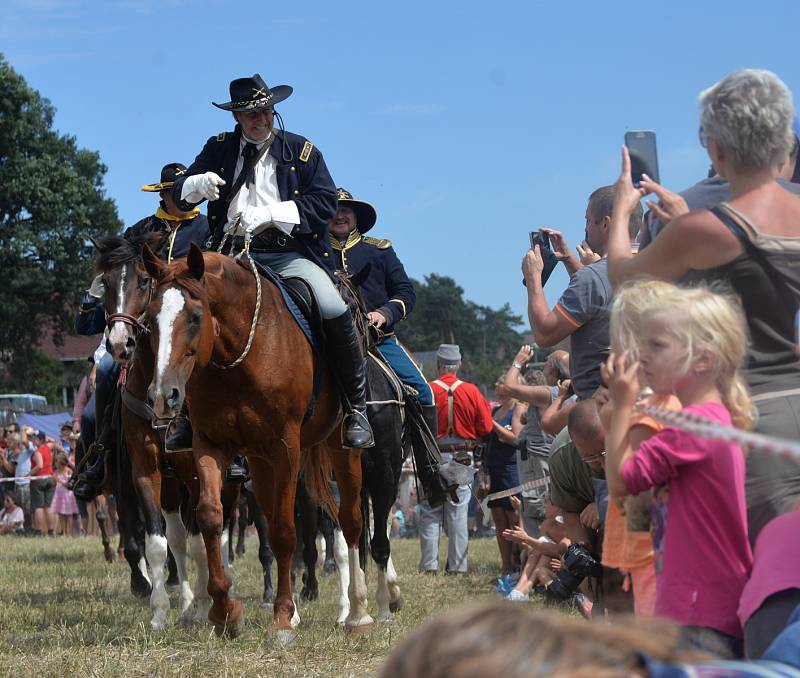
pixel 264 191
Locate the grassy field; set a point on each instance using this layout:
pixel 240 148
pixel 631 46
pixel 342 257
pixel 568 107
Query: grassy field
pixel 66 612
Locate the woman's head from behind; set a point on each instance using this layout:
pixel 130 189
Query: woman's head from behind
pixel 684 338
pixel 746 121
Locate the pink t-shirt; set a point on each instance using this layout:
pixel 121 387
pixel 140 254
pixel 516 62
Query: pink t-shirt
pixel 705 556
pixel 776 566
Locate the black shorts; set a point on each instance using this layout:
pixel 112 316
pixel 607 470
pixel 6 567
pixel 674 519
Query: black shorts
pixel 42 490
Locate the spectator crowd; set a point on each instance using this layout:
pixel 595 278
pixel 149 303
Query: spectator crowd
pixel 35 472
pixel 688 308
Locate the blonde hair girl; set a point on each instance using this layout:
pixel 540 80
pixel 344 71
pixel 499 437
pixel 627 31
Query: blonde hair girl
pixel 690 343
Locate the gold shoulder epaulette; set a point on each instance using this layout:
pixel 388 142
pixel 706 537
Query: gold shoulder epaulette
pixel 221 136
pixel 305 154
pixel 378 242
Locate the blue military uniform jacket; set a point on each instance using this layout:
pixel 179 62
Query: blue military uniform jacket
pixel 387 288
pixel 179 235
pixel 301 175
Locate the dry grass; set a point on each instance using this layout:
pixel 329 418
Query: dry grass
pixel 66 612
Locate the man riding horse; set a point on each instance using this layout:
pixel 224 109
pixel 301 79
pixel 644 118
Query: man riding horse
pixel 389 297
pixel 179 229
pixel 273 187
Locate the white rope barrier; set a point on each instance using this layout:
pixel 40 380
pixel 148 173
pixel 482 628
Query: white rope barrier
pixel 699 426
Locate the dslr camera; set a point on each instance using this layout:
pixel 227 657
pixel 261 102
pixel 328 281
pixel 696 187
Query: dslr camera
pixel 579 563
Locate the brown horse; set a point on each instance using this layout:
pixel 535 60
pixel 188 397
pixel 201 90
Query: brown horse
pixel 200 325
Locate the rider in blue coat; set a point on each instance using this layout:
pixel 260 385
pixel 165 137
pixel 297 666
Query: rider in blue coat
pixel 387 291
pixel 179 229
pixel 273 188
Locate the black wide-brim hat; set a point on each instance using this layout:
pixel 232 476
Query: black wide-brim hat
pixel 366 216
pixel 169 173
pixel 251 94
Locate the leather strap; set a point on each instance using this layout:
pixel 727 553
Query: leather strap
pixel 450 402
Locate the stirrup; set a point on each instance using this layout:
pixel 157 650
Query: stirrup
pixel 360 438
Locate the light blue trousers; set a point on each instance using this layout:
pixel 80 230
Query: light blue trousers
pixel 294 265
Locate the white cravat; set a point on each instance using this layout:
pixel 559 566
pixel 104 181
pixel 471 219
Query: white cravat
pixel 263 191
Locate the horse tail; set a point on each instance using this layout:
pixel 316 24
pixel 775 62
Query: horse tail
pixel 317 474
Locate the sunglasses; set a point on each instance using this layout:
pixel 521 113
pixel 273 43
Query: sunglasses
pixel 595 457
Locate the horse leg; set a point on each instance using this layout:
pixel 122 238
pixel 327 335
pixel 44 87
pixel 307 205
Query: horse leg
pixel 243 520
pixel 380 546
pixel 176 538
pixel 326 526
pixel 264 551
pixel 130 526
pixel 229 498
pixel 108 552
pixel 343 567
pixel 347 467
pixel 225 614
pixel 309 512
pixel 275 489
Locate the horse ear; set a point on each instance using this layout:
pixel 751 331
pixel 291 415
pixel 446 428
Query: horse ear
pixel 152 264
pixel 358 278
pixel 195 261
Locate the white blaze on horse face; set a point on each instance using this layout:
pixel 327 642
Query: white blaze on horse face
pixel 171 304
pixel 118 334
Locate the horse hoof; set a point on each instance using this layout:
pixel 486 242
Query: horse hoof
pixel 386 618
pixel 229 627
pixel 359 627
pixel 108 554
pixel 397 605
pixel 309 594
pixel 329 567
pixel 140 588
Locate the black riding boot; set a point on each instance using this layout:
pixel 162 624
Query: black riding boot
pixel 180 440
pixel 347 363
pixel 89 482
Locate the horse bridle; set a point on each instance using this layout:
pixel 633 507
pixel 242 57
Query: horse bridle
pixel 128 319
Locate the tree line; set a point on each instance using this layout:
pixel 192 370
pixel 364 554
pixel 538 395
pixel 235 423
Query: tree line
pixel 53 204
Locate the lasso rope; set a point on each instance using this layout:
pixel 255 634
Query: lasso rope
pixel 696 425
pixel 256 312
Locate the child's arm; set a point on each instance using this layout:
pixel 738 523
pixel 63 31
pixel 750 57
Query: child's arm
pixel 623 387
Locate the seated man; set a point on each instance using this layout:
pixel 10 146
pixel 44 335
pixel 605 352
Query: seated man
pixel 273 188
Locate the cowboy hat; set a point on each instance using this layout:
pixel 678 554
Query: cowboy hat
pixel 169 173
pixel 366 216
pixel 250 94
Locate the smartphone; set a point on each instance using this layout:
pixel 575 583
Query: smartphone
pixel 644 158
pixel 550 261
pixel 541 239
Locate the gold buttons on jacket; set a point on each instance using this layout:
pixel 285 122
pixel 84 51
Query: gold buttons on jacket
pixel 325 254
pixel 315 236
pixel 296 192
pixel 293 168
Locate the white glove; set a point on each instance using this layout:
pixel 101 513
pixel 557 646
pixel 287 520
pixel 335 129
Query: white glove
pixel 202 186
pixel 97 289
pixel 254 220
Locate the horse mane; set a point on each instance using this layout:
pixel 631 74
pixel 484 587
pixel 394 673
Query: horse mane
pixel 179 274
pixel 116 250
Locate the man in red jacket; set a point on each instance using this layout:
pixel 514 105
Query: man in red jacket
pixel 464 417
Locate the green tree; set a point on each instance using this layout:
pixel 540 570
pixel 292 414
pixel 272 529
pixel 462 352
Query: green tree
pixel 488 337
pixel 52 202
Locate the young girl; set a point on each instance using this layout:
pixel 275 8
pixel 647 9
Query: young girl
pixel 627 543
pixel 64 504
pixel 691 344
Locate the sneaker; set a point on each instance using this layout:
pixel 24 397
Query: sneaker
pixel 517 596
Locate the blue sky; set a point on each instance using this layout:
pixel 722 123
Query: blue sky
pixel 466 124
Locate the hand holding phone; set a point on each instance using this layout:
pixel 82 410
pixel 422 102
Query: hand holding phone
pixel 644 157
